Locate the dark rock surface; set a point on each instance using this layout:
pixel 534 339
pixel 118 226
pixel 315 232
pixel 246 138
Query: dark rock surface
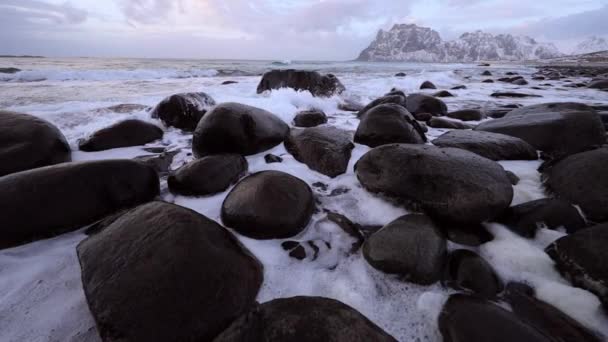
pixel 122 134
pixel 420 103
pixel 309 118
pixel 512 94
pixel 184 110
pixel 436 122
pixel 208 175
pixel 312 81
pixel 427 85
pixel 397 99
pixel 469 234
pixel 159 162
pixel 467 115
pixel 388 123
pixel 443 93
pixel 493 146
pixel 465 270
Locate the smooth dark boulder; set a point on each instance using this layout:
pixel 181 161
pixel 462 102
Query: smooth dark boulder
pixel 325 149
pixel 552 129
pixel 526 218
pixel 411 246
pixel 397 99
pixel 545 317
pixel 122 134
pixel 229 82
pixel 423 116
pixel 443 93
pixel 10 70
pixel 459 87
pixel 519 81
pixel 466 270
pixel 489 145
pixel 488 81
pixel 581 258
pixel 448 183
pixel 309 118
pixel 512 94
pixel 208 175
pixel 28 142
pixel 237 128
pixel 52 200
pixel 486 73
pixel 599 84
pixel 436 122
pixel 427 85
pixel 304 319
pixel 271 158
pixel 550 107
pixel 467 319
pixel 312 81
pixel 386 124
pixel 268 205
pixel 162 272
pixel 468 234
pixel 420 103
pixel 400 74
pixel 467 115
pixel 581 180
pixel 184 110
pixel 161 163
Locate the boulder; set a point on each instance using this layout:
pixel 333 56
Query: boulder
pixel 526 218
pixel 486 73
pixel 161 163
pixel 448 183
pixel 420 103
pixel 519 81
pixel 312 81
pixel 581 180
pixel 52 200
pixel 309 118
pixel 208 175
pixel 229 82
pixel 237 128
pixel 28 142
pixel 397 99
pixel 325 149
pixel 488 81
pixel 443 93
pixel 436 122
pixel 184 110
pixel 465 270
pixel 599 84
pixel 411 246
pixel 272 158
pixel 512 94
pixel 466 318
pixel 268 205
pixel 467 115
pixel 423 116
pixel 470 234
pixel 303 319
pixel 553 129
pixel 388 123
pixel 122 134
pixel 166 273
pixel 493 146
pixel 581 257
pixel 551 107
pixel 459 87
pixel 427 85
pixel 400 74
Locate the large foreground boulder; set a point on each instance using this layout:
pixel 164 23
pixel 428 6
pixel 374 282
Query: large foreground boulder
pixel 581 257
pixel 386 124
pixel 166 273
pixel 466 319
pixel 268 205
pixel 208 175
pixel 304 319
pixel 581 180
pixel 325 149
pixel 237 128
pixel 312 81
pixel 28 142
pixel 52 200
pixel 183 111
pixel 411 246
pixel 553 128
pixel 448 183
pixel 493 146
pixel 309 118
pixel 420 103
pixel 122 134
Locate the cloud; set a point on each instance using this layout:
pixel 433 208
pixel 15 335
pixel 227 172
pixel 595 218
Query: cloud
pixel 33 12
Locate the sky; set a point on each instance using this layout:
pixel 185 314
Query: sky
pixel 273 29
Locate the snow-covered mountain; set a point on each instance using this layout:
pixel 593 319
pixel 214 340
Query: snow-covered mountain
pixel 413 43
pixel 592 44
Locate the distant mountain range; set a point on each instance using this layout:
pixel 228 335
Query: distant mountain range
pixel 412 43
pixel 592 44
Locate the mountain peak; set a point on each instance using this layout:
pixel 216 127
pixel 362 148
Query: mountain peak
pixel 591 44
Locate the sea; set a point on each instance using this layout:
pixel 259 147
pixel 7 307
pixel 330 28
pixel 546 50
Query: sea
pixel 41 296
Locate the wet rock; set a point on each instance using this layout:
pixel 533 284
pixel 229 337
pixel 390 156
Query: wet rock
pixel 166 273
pixel 350 106
pixel 271 158
pixel 487 81
pixel 300 319
pixel 599 84
pixel 467 115
pixel 466 318
pixel 423 116
pixel 208 175
pixel 411 246
pixel 459 87
pixel 125 108
pixel 486 73
pixel 325 149
pixel 493 146
pixel 350 228
pixel 68 196
pixel 526 218
pixel 237 128
pixel 159 162
pixel 229 82
pixel 465 270
pixel 512 94
pixel 420 103
pixel 397 99
pixel 519 81
pixel 443 93
pixel 581 180
pixel 184 110
pixel 436 122
pixel 388 123
pixel 309 118
pixel 471 234
pixel 448 183
pixel 268 205
pixel 556 129
pixel 551 107
pixel 513 178
pixel 427 85
pixel 580 257
pixel 27 142
pixel 9 70
pixel 312 81
pixel 545 317
pixel 122 134
pixel 400 74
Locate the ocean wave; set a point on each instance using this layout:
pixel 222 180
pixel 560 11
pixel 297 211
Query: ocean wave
pixel 112 74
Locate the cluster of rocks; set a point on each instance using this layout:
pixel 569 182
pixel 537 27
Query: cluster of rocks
pixel 199 283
